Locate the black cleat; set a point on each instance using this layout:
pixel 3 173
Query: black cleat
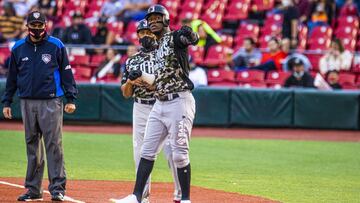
pixel 29 198
pixel 57 197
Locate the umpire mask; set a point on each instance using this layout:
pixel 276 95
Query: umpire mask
pixel 148 42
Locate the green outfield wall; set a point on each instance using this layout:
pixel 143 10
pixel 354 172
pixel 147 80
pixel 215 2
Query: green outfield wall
pixel 226 107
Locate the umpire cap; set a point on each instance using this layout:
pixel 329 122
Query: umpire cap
pixel 159 9
pixel 143 25
pixel 36 16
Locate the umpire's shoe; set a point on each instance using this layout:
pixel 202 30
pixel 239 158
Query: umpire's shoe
pixel 27 197
pixel 57 197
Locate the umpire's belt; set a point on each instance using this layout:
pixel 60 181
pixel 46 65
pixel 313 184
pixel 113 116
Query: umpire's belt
pixel 168 97
pixel 145 101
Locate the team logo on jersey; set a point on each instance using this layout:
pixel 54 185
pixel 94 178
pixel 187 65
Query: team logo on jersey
pixel 46 58
pixel 36 15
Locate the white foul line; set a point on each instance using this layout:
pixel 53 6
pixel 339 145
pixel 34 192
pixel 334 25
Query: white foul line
pixel 66 198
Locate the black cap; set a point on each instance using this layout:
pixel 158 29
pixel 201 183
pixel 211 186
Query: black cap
pixel 298 62
pixel 36 16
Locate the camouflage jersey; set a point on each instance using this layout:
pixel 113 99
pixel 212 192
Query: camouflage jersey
pixel 145 61
pixel 171 74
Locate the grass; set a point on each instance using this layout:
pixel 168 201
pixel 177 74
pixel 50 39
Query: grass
pixel 289 171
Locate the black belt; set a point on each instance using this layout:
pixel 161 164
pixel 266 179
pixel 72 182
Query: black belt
pixel 168 97
pixel 144 101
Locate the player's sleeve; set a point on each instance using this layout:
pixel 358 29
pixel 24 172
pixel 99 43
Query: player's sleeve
pixel 126 72
pixel 67 77
pixel 10 82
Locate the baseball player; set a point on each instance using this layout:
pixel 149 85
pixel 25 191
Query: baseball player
pixel 40 71
pixel 174 110
pixel 144 99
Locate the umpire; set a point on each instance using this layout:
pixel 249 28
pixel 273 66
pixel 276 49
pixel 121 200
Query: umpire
pixel 40 71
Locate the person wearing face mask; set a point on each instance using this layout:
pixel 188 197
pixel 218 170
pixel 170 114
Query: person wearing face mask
pixel 144 100
pixel 40 71
pixel 299 77
pixel 78 32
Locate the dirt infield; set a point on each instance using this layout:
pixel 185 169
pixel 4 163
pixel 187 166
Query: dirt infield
pixel 102 191
pixel 236 133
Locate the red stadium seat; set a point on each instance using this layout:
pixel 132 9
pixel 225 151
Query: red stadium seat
pixel 130 33
pixel 96 4
pixel 273 30
pixel 351 21
pixel 82 73
pixel 347 78
pixel 197 53
pixel 321 32
pixel 214 15
pixel 236 10
pixel 185 14
pixel 346 32
pixel 221 76
pixel 320 44
pixel 314 60
pixel 227 40
pixel 349 10
pixel 216 55
pixel 349 43
pixel 192 6
pixel 96 60
pixel 79 60
pixel 116 27
pixel 263 41
pixel 246 30
pixel 303 32
pixel 262 5
pixel 249 76
pixel 274 19
pixel 172 6
pixel 275 78
pixel 301 45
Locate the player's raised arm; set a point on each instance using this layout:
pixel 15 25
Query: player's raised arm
pixel 185 37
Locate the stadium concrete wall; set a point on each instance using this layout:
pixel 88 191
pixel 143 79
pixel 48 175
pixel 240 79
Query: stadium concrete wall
pixel 226 107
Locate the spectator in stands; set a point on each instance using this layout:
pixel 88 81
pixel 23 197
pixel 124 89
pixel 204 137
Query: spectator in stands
pixel 304 6
pixel 321 13
pixel 337 58
pixel 197 74
pixel 48 8
pixel 289 61
pixel 290 22
pixel 101 34
pixel 273 59
pixel 110 65
pixel 10 24
pixel 78 32
pixel 247 56
pixel 22 7
pixel 125 10
pixel 332 78
pixel 299 77
pixel 208 36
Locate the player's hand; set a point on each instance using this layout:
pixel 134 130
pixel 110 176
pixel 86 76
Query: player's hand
pixel 70 108
pixel 134 74
pixel 186 31
pixel 7 112
pixel 137 82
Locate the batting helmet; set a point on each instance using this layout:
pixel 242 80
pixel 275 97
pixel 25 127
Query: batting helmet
pixel 143 25
pixel 159 9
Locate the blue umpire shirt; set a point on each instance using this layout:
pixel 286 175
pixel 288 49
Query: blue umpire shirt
pixel 39 71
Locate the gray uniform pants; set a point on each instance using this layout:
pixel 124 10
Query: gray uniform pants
pixel 171 120
pixel 43 119
pixel 140 116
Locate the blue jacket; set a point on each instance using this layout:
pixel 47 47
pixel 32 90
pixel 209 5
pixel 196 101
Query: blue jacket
pixel 39 71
